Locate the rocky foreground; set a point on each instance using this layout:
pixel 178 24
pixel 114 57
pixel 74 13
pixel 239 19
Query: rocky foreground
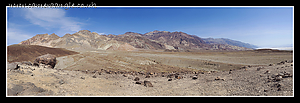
pixel 25 79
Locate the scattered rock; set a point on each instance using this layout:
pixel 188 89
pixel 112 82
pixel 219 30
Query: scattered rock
pixel 94 76
pixel 136 79
pixel 61 82
pixel 194 77
pixel 171 75
pixel 47 59
pixel 82 78
pixel 259 68
pixel 138 82
pixel 147 76
pixel 170 79
pixel 179 77
pixel 148 84
pixel 218 78
pixel 267 72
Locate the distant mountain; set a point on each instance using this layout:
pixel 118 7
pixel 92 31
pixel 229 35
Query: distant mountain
pixel 179 40
pixel 86 40
pixel 82 39
pixel 228 42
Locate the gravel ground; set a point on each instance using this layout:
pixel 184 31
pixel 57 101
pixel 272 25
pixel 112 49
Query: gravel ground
pixel 275 80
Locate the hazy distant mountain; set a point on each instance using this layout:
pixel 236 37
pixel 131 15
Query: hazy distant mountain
pixel 229 42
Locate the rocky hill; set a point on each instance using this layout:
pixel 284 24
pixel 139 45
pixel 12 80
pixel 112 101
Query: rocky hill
pixel 83 39
pixel 228 42
pixel 86 40
pixel 179 40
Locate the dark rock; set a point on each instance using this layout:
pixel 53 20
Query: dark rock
pixel 138 82
pixel 94 76
pixel 82 78
pixel 267 72
pixel 194 77
pixel 148 84
pixel 170 79
pixel 47 59
pixel 136 79
pixel 147 76
pixel 171 75
pixel 259 68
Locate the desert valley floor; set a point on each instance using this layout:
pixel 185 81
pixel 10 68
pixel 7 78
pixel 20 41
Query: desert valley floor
pixel 125 73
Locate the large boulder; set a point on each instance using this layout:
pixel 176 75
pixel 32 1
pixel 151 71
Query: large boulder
pixel 47 59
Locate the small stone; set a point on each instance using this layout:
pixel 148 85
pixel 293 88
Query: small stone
pixel 179 77
pixel 279 89
pixel 267 72
pixel 61 82
pixel 230 72
pixel 170 79
pixel 138 82
pixel 218 78
pixel 136 79
pixel 147 76
pixel 82 78
pixel 94 76
pixel 280 74
pixel 194 77
pixel 148 84
pixel 124 75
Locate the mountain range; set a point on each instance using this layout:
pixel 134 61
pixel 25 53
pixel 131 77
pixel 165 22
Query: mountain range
pixel 229 42
pixel 129 41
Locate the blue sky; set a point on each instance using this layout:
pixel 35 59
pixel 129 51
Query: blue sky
pixel 261 26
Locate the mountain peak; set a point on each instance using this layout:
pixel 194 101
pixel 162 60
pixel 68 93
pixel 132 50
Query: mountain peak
pixel 156 32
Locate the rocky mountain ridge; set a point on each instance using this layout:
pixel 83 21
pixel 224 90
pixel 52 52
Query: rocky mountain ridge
pixel 129 41
pixel 228 42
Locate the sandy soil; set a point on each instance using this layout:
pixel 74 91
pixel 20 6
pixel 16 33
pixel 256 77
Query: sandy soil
pixel 113 73
pixel 242 82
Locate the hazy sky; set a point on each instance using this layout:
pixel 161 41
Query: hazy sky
pixel 261 26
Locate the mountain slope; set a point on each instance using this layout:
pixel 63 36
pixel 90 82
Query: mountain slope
pixel 82 39
pixel 229 42
pixel 176 39
pixel 86 40
pixel 138 41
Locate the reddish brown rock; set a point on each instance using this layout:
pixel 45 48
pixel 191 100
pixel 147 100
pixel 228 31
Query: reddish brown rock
pixel 47 59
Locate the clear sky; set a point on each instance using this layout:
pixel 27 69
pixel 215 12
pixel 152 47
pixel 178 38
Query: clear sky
pixel 261 26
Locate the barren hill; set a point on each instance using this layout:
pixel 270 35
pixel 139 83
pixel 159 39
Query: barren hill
pixel 82 39
pixel 176 39
pixel 86 40
pixel 19 52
